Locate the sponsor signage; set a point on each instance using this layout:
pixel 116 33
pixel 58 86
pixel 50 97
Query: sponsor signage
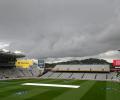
pixel 115 69
pixel 116 63
pixel 24 63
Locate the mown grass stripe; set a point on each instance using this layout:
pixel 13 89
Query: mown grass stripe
pixel 53 92
pixel 76 94
pixel 97 92
pixel 113 91
pixel 12 90
pixel 29 94
pixel 89 90
pixel 49 95
pixel 7 91
pixel 15 86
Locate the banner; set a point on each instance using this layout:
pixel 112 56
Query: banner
pixel 24 63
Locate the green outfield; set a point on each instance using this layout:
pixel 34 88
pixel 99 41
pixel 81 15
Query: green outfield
pixel 88 90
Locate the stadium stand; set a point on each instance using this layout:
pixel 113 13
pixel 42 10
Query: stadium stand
pixel 8 69
pixel 83 68
pixel 80 76
pixel 89 76
pixel 55 75
pixel 46 75
pixel 12 73
pixel 101 76
pixel 65 76
pixel 77 75
pixel 81 72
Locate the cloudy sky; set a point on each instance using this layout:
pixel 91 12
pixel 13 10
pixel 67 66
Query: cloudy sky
pixel 58 28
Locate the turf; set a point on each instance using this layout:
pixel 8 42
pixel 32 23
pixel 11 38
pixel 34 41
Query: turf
pixel 89 90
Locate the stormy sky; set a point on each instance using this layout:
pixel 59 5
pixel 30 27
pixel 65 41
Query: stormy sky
pixel 60 28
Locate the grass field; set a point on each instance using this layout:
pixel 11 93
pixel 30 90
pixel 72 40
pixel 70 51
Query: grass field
pixel 89 90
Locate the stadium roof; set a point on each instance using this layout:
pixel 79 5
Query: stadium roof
pixel 7 53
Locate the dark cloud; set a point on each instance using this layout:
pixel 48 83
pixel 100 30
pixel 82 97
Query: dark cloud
pixel 58 28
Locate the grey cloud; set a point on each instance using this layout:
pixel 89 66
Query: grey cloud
pixel 58 28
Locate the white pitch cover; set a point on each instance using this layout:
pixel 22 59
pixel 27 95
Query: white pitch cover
pixel 52 85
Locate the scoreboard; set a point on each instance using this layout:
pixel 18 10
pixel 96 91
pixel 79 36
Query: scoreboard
pixel 41 63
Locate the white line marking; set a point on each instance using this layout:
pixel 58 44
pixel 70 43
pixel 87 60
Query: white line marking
pixel 52 85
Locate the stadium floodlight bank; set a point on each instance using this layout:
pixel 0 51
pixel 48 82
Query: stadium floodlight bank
pixel 83 68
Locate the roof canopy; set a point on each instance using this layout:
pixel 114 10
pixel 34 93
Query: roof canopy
pixel 8 54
